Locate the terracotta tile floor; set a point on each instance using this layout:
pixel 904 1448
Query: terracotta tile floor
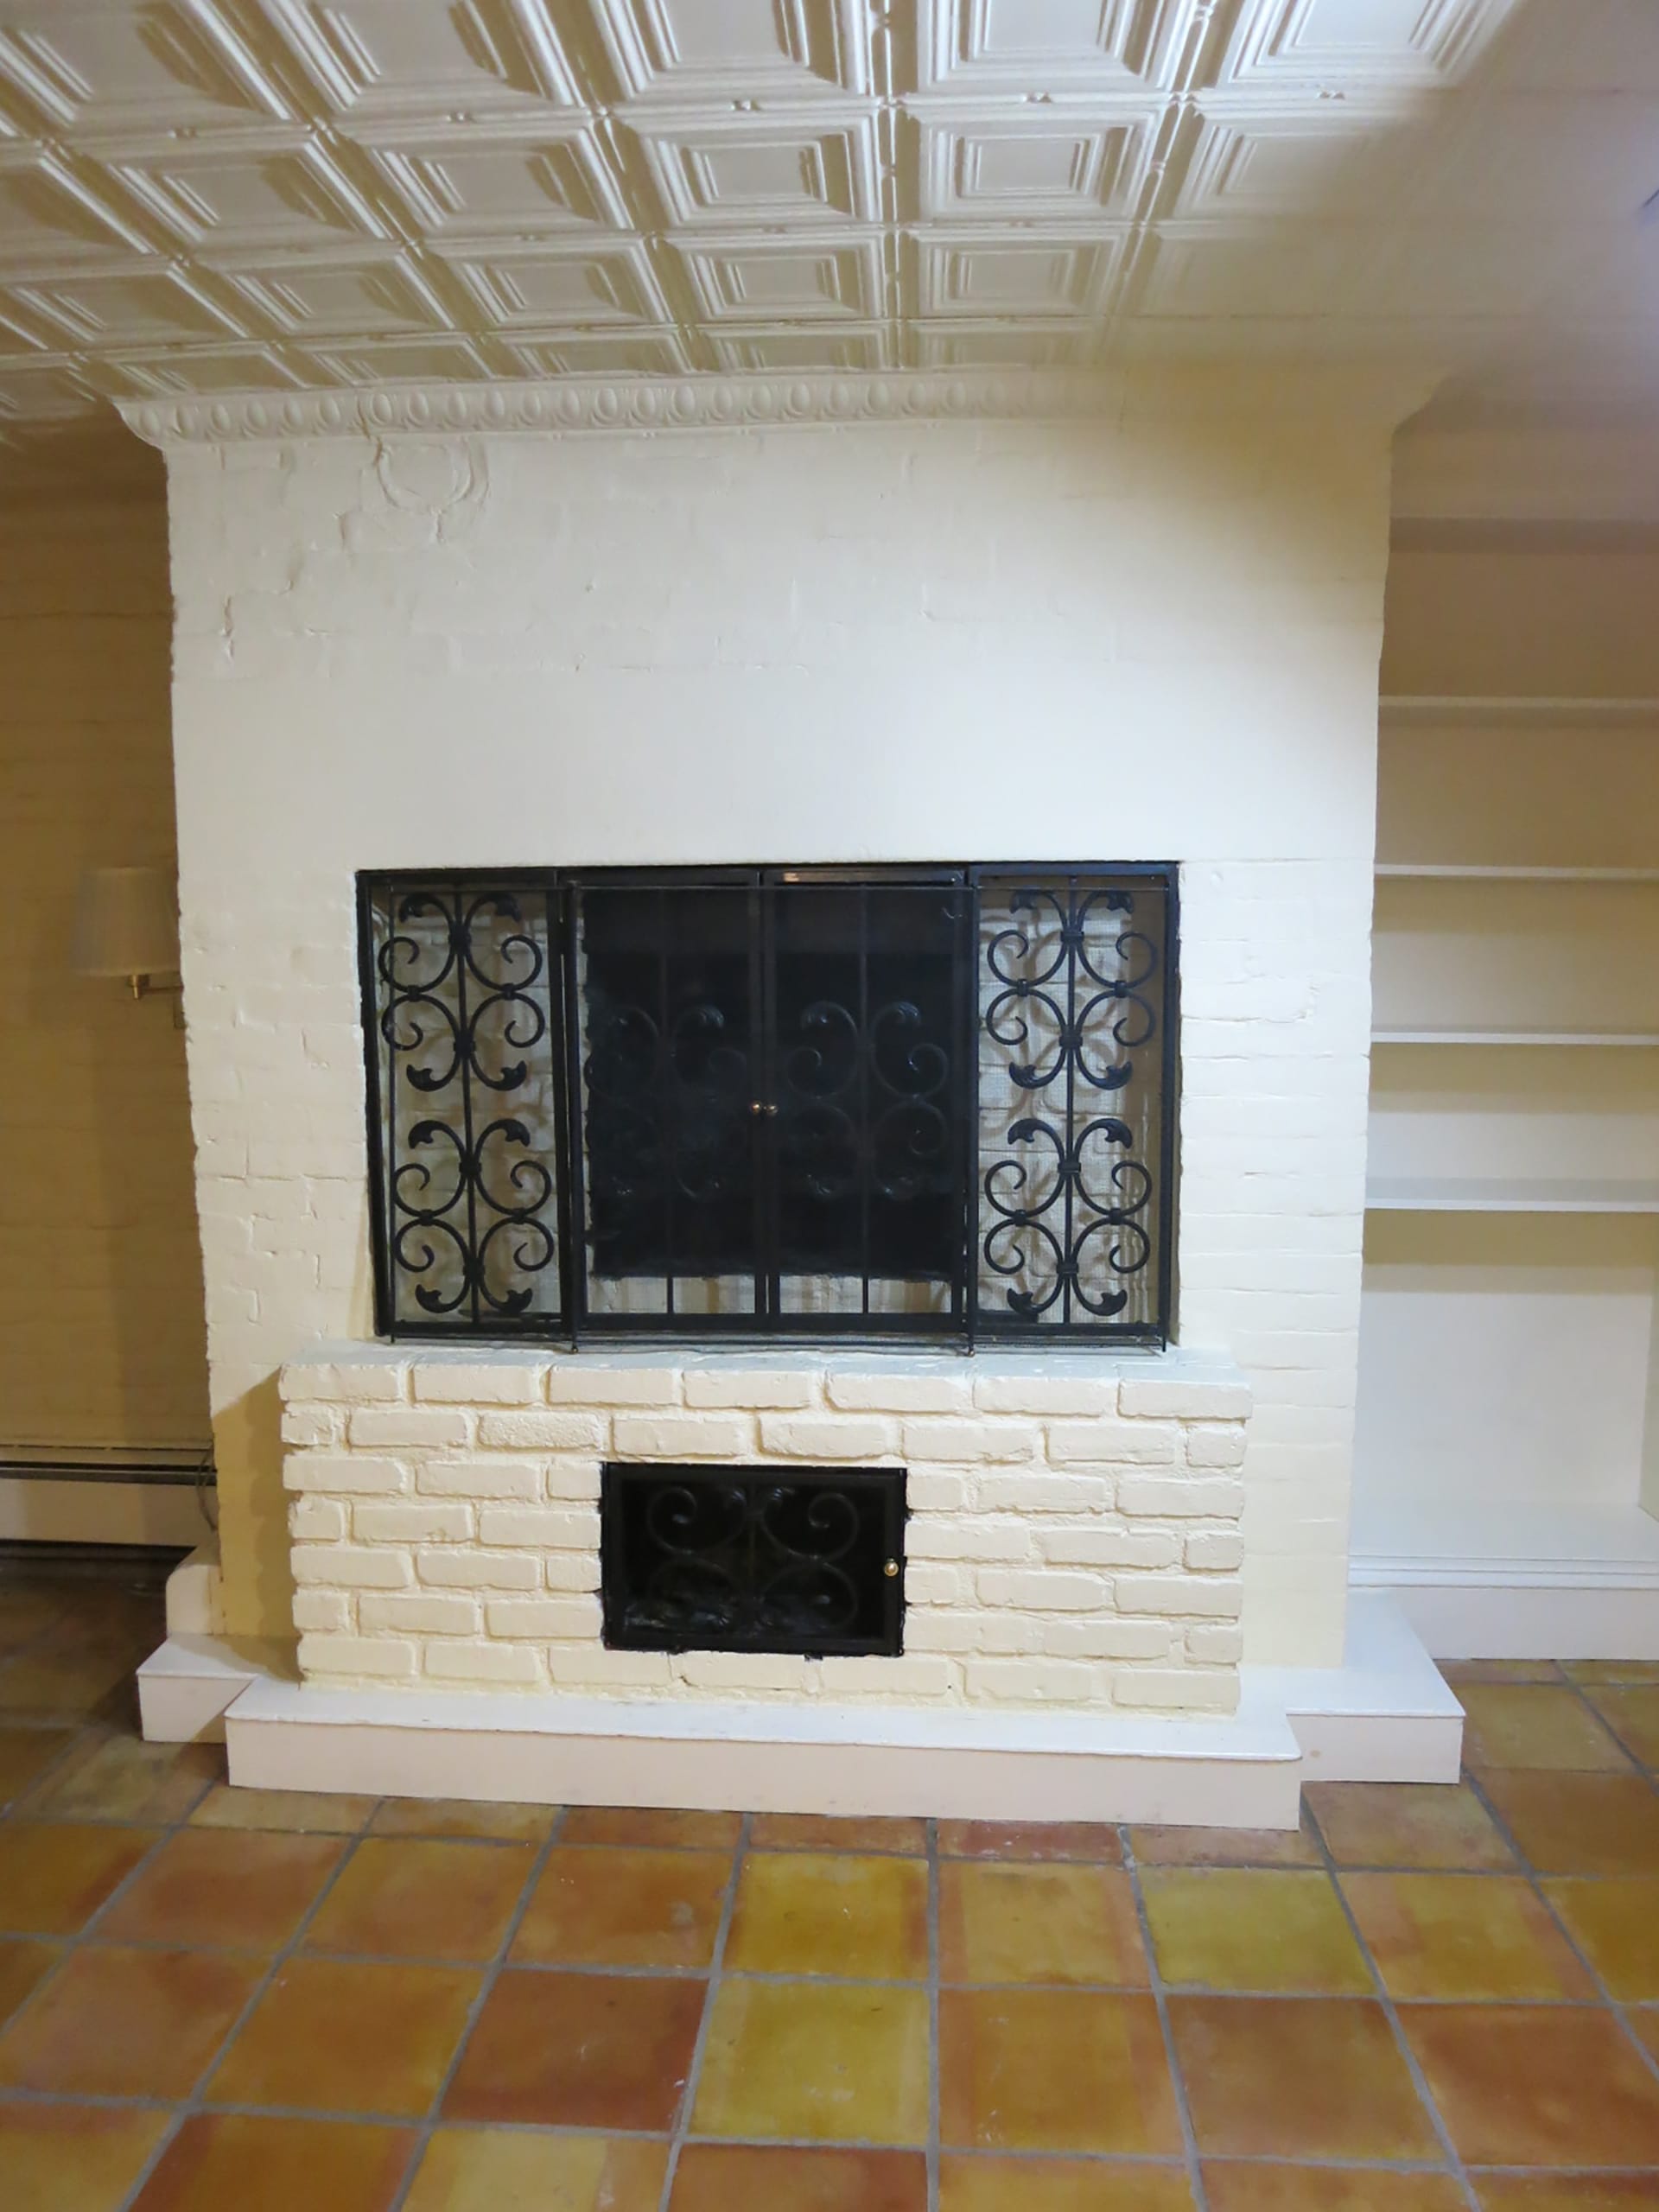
pixel 218 2000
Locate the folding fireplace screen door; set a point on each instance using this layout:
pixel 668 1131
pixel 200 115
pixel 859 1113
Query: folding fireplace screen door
pixel 926 1102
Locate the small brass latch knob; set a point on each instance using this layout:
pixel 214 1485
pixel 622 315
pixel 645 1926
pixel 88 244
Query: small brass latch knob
pixel 890 1569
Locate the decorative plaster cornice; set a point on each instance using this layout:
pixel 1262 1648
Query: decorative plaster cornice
pixel 610 403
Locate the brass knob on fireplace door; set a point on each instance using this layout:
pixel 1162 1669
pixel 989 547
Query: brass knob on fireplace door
pixel 890 1569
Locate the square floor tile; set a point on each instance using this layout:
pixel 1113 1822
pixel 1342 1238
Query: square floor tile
pixel 25 1961
pixel 52 1879
pixel 222 2160
pixel 1535 2085
pixel 349 2036
pixel 824 1832
pixel 1458 1671
pixel 25 1754
pixel 1095 1841
pixel 405 1898
pixel 813 1912
pixel 459 1817
pixel 108 1776
pixel 737 2177
pixel 1463 1935
pixel 301 1812
pixel 1632 1713
pixel 1432 1827
pixel 651 1827
pixel 1172 1846
pixel 1565 2192
pixel 75 2158
pixel 617 1907
pixel 1010 1923
pixel 1298 2078
pixel 127 2023
pixel 1611 1670
pixel 1252 1930
pixel 579 2051
pixel 246 1891
pixel 984 2184
pixel 490 2170
pixel 1054 2069
pixel 26 1609
pixel 1616 1922
pixel 1328 2189
pixel 1506 1725
pixel 54 1682
pixel 816 2061
pixel 1645 2023
pixel 1580 1823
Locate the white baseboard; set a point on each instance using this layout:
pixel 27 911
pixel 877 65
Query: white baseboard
pixel 1383 1715
pixel 1561 1620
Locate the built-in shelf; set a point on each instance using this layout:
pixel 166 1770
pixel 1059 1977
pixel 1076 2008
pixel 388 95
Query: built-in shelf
pixel 1600 1038
pixel 1494 1194
pixel 1478 709
pixel 1456 872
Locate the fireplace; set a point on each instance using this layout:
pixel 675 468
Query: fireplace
pixel 920 1103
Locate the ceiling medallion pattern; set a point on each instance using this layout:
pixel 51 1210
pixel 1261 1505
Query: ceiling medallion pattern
pixel 284 198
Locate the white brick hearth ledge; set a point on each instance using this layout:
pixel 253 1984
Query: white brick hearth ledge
pixel 1072 1587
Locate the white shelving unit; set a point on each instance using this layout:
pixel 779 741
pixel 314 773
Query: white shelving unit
pixel 1508 1448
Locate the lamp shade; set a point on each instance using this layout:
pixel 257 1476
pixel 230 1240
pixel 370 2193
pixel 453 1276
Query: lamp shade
pixel 126 923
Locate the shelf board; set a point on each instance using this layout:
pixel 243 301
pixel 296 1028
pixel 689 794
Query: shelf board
pixel 1488 710
pixel 1490 1194
pixel 1600 1039
pixel 1458 872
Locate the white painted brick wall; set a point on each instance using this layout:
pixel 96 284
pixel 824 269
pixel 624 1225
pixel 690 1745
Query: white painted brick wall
pixel 1155 637
pixel 1083 1580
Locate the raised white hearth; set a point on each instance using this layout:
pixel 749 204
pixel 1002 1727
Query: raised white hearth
pixel 1073 1587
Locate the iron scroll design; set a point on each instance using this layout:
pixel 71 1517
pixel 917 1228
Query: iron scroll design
pixel 1073 1030
pixel 744 1559
pixel 466 1132
pixel 934 1102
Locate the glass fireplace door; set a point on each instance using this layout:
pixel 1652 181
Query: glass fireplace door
pixel 867 1102
pixel 774 1110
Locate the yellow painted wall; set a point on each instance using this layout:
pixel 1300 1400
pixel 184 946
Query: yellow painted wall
pixel 102 1339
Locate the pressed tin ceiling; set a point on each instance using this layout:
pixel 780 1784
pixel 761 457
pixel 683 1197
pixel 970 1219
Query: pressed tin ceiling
pixel 200 197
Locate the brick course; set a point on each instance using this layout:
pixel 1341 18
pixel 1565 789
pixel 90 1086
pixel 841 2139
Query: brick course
pixel 1048 1563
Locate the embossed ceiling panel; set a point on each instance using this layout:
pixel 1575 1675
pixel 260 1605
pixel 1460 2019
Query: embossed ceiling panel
pixel 206 196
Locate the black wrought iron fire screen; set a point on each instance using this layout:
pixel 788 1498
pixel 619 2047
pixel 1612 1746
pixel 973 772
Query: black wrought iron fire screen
pixel 745 1558
pixel 931 1102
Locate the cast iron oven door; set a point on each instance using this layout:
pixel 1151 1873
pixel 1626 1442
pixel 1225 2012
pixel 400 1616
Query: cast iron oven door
pixel 745 1558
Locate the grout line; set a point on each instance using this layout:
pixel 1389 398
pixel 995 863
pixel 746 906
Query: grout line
pixel 1161 1998
pixel 192 2103
pixel 1418 2079
pixel 490 1976
pixel 934 1984
pixel 717 1970
pixel 1535 1882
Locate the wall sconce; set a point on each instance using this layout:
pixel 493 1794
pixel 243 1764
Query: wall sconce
pixel 127 924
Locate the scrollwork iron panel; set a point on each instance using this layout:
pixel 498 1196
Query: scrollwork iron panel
pixel 463 1069
pixel 1075 1072
pixel 748 1559
pixel 934 1102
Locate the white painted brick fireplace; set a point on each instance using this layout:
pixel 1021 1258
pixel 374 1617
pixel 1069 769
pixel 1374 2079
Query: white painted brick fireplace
pixel 848 620
pixel 1073 1539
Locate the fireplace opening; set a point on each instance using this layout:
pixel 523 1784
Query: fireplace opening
pixel 746 1559
pixel 925 1102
